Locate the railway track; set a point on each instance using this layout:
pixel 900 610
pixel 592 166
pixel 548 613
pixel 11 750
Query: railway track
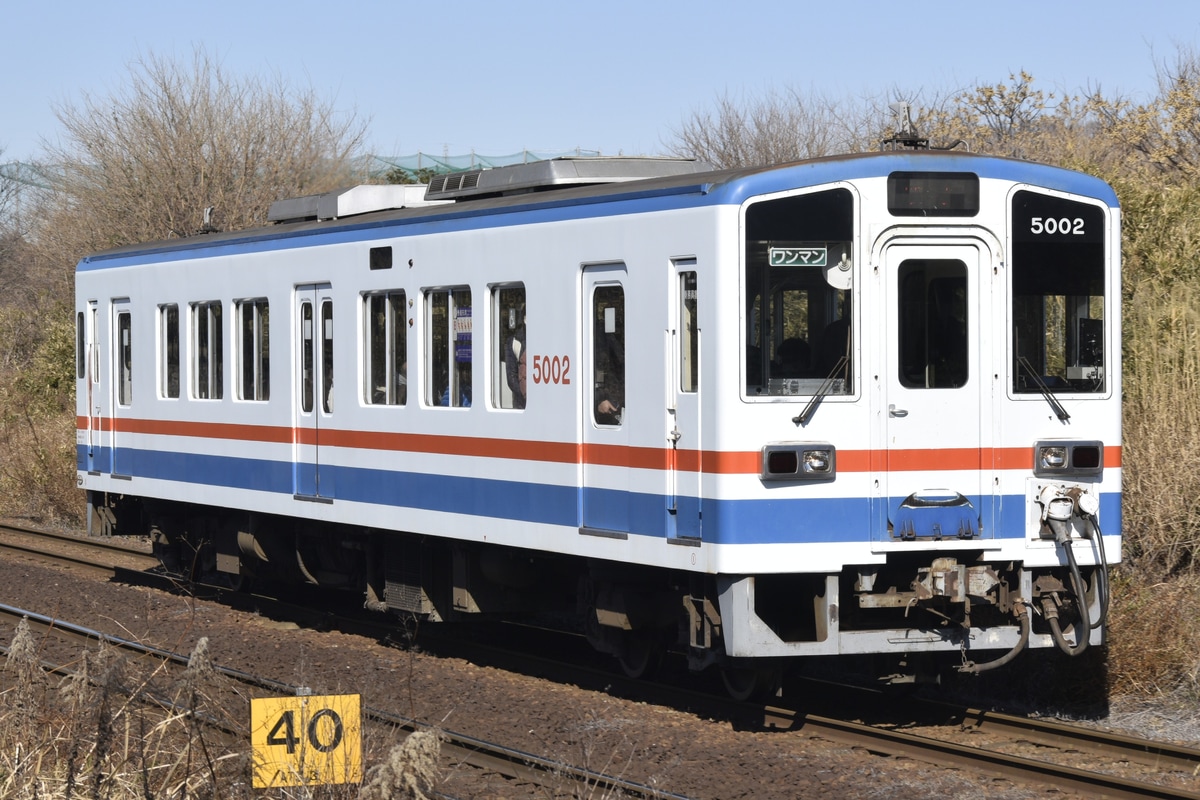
pixel 458 748
pixel 1068 739
pixel 1165 770
pixel 101 556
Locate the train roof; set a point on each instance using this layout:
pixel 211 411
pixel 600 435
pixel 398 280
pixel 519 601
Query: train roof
pixel 573 199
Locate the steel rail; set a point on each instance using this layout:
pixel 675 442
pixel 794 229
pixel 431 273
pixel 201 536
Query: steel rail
pixel 92 564
pixel 1018 768
pixel 1042 731
pixel 1160 755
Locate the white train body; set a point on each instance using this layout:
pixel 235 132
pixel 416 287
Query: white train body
pixel 752 494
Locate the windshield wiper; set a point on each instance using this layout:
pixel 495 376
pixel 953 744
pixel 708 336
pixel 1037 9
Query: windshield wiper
pixel 1047 393
pixel 811 408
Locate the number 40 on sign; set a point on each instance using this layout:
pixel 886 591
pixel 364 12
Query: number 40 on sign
pixel 302 741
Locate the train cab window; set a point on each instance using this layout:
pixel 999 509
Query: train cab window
pixel 933 324
pixel 509 365
pixel 448 343
pixel 124 359
pixel 209 350
pixel 799 268
pixel 1058 295
pixel 168 345
pixel 608 355
pixel 254 377
pixel 386 349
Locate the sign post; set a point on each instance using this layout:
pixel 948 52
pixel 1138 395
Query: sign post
pixel 302 741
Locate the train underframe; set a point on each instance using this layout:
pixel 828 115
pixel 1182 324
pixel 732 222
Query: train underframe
pixel 971 614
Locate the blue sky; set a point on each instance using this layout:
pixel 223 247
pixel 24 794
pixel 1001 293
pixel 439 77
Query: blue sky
pixel 615 76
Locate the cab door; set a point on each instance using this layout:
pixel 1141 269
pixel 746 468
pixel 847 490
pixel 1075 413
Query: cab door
pixel 122 386
pixel 97 458
pixel 685 454
pixel 936 392
pixel 313 402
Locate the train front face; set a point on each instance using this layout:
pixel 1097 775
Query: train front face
pixel 931 366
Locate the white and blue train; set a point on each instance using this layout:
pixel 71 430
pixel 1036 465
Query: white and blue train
pixel 856 405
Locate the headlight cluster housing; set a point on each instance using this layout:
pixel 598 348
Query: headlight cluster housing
pixel 1068 459
pixel 799 461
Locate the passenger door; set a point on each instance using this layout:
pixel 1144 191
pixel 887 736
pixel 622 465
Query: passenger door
pixel 313 402
pixel 936 409
pixel 605 452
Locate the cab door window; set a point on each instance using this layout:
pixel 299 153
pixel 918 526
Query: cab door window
pixel 933 324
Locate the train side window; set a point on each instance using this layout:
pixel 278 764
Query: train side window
pixel 254 323
pixel 799 275
pixel 689 333
pixel 448 380
pixel 509 367
pixel 209 351
pixel 327 356
pixel 124 359
pixel 608 355
pixel 386 349
pixel 933 324
pixel 168 331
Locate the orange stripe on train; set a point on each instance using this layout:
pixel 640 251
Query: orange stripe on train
pixel 652 458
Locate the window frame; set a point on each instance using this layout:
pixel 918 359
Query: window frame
pixel 385 374
pixel 208 353
pixel 509 346
pixel 254 350
pixel 169 365
pixel 444 341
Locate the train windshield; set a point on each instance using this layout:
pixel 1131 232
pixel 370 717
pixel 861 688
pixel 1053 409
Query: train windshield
pixel 1058 301
pixel 798 294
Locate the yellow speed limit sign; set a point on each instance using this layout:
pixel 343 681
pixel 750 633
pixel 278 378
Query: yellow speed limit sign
pixel 302 741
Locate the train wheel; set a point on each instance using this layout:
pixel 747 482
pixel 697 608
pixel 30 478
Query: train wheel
pixel 640 653
pixel 747 683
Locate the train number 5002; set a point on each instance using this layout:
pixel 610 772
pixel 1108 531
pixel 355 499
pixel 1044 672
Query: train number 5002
pixel 552 369
pixel 1053 225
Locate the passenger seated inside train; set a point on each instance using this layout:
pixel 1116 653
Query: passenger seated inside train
pixel 794 359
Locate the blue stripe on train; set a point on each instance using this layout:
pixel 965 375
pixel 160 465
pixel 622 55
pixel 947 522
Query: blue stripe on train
pixel 723 521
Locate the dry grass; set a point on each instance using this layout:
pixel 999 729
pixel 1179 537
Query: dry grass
pixel 113 730
pixel 1162 425
pixel 1154 646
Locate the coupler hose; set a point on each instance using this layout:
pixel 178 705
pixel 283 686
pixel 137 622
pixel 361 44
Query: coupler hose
pixel 1101 575
pixel 1023 618
pixel 1085 625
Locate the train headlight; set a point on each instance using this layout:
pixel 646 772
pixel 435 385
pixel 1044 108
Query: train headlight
pixel 817 462
pixel 1054 457
pixel 1059 459
pixel 798 461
